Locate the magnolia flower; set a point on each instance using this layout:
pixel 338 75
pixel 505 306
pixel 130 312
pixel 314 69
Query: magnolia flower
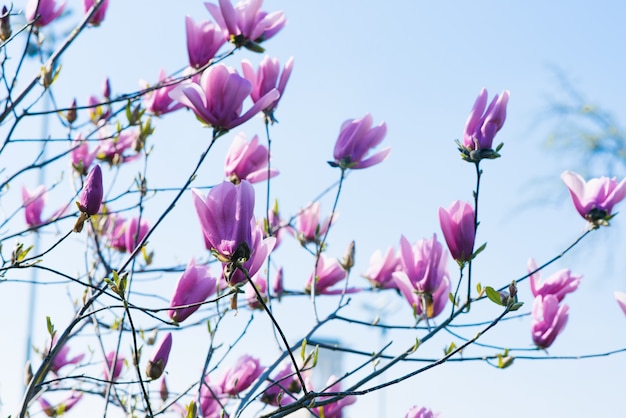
pixel 356 138
pixel 423 279
pixel 134 232
pixel 158 361
pixel 209 400
pixel 80 155
pixel 548 320
pixel 247 161
pixel 91 195
pixel 559 284
pixel 308 226
pixel 217 99
pixel 98 16
pixel 226 217
pixel 46 10
pixel 34 201
pixel 195 285
pixel 64 406
pixel 203 41
pixel 158 101
pixel 284 382
pixel 379 272
pixel 108 368
pixel 481 126
pixel 594 200
pixel 425 263
pixel 112 148
pixel 266 79
pixel 246 24
pixel 327 274
pixel 335 409
pixel 62 358
pixel 420 412
pixel 239 377
pixel 260 283
pixel 459 229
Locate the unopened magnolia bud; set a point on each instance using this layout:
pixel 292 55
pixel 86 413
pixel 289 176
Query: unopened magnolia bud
pixel 106 89
pixel 5 24
pixel 348 259
pixel 163 390
pixel 158 361
pixel 91 195
pixel 71 113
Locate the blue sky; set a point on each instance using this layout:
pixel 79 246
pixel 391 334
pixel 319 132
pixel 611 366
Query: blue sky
pixel 418 66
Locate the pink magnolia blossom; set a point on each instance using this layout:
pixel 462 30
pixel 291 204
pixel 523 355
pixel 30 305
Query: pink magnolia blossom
pixel 559 284
pixel 247 160
pixel 245 24
pixel 210 402
pixel 92 192
pixel 335 409
pixel 425 263
pixel 34 201
pixel 64 406
pixel 158 101
pixel 113 148
pixel 108 367
pixel 308 226
pixel 482 126
pixel 356 138
pixel 203 41
pixel 195 285
pixel 277 286
pixel 217 99
pixel 329 272
pixel 594 200
pixel 379 272
pixel 548 320
pixel 285 382
pixel 134 233
pixel 266 79
pixel 420 412
pixel 158 361
pixel 62 358
pixel 238 378
pixel 457 224
pixel 98 16
pixel 226 217
pixel 99 111
pixel 47 10
pixel 620 297
pixel 80 155
pixel 423 280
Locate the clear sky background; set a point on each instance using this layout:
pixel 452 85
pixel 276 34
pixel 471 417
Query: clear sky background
pixel 418 66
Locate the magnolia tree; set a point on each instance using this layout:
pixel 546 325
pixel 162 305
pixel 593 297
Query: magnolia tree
pixel 124 334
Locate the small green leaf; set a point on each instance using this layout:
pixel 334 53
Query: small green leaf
pixel 50 326
pixel 493 295
pixel 192 410
pixel 415 346
pixel 303 349
pixel 479 250
pixel 499 147
pixel 516 306
pixel 449 348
